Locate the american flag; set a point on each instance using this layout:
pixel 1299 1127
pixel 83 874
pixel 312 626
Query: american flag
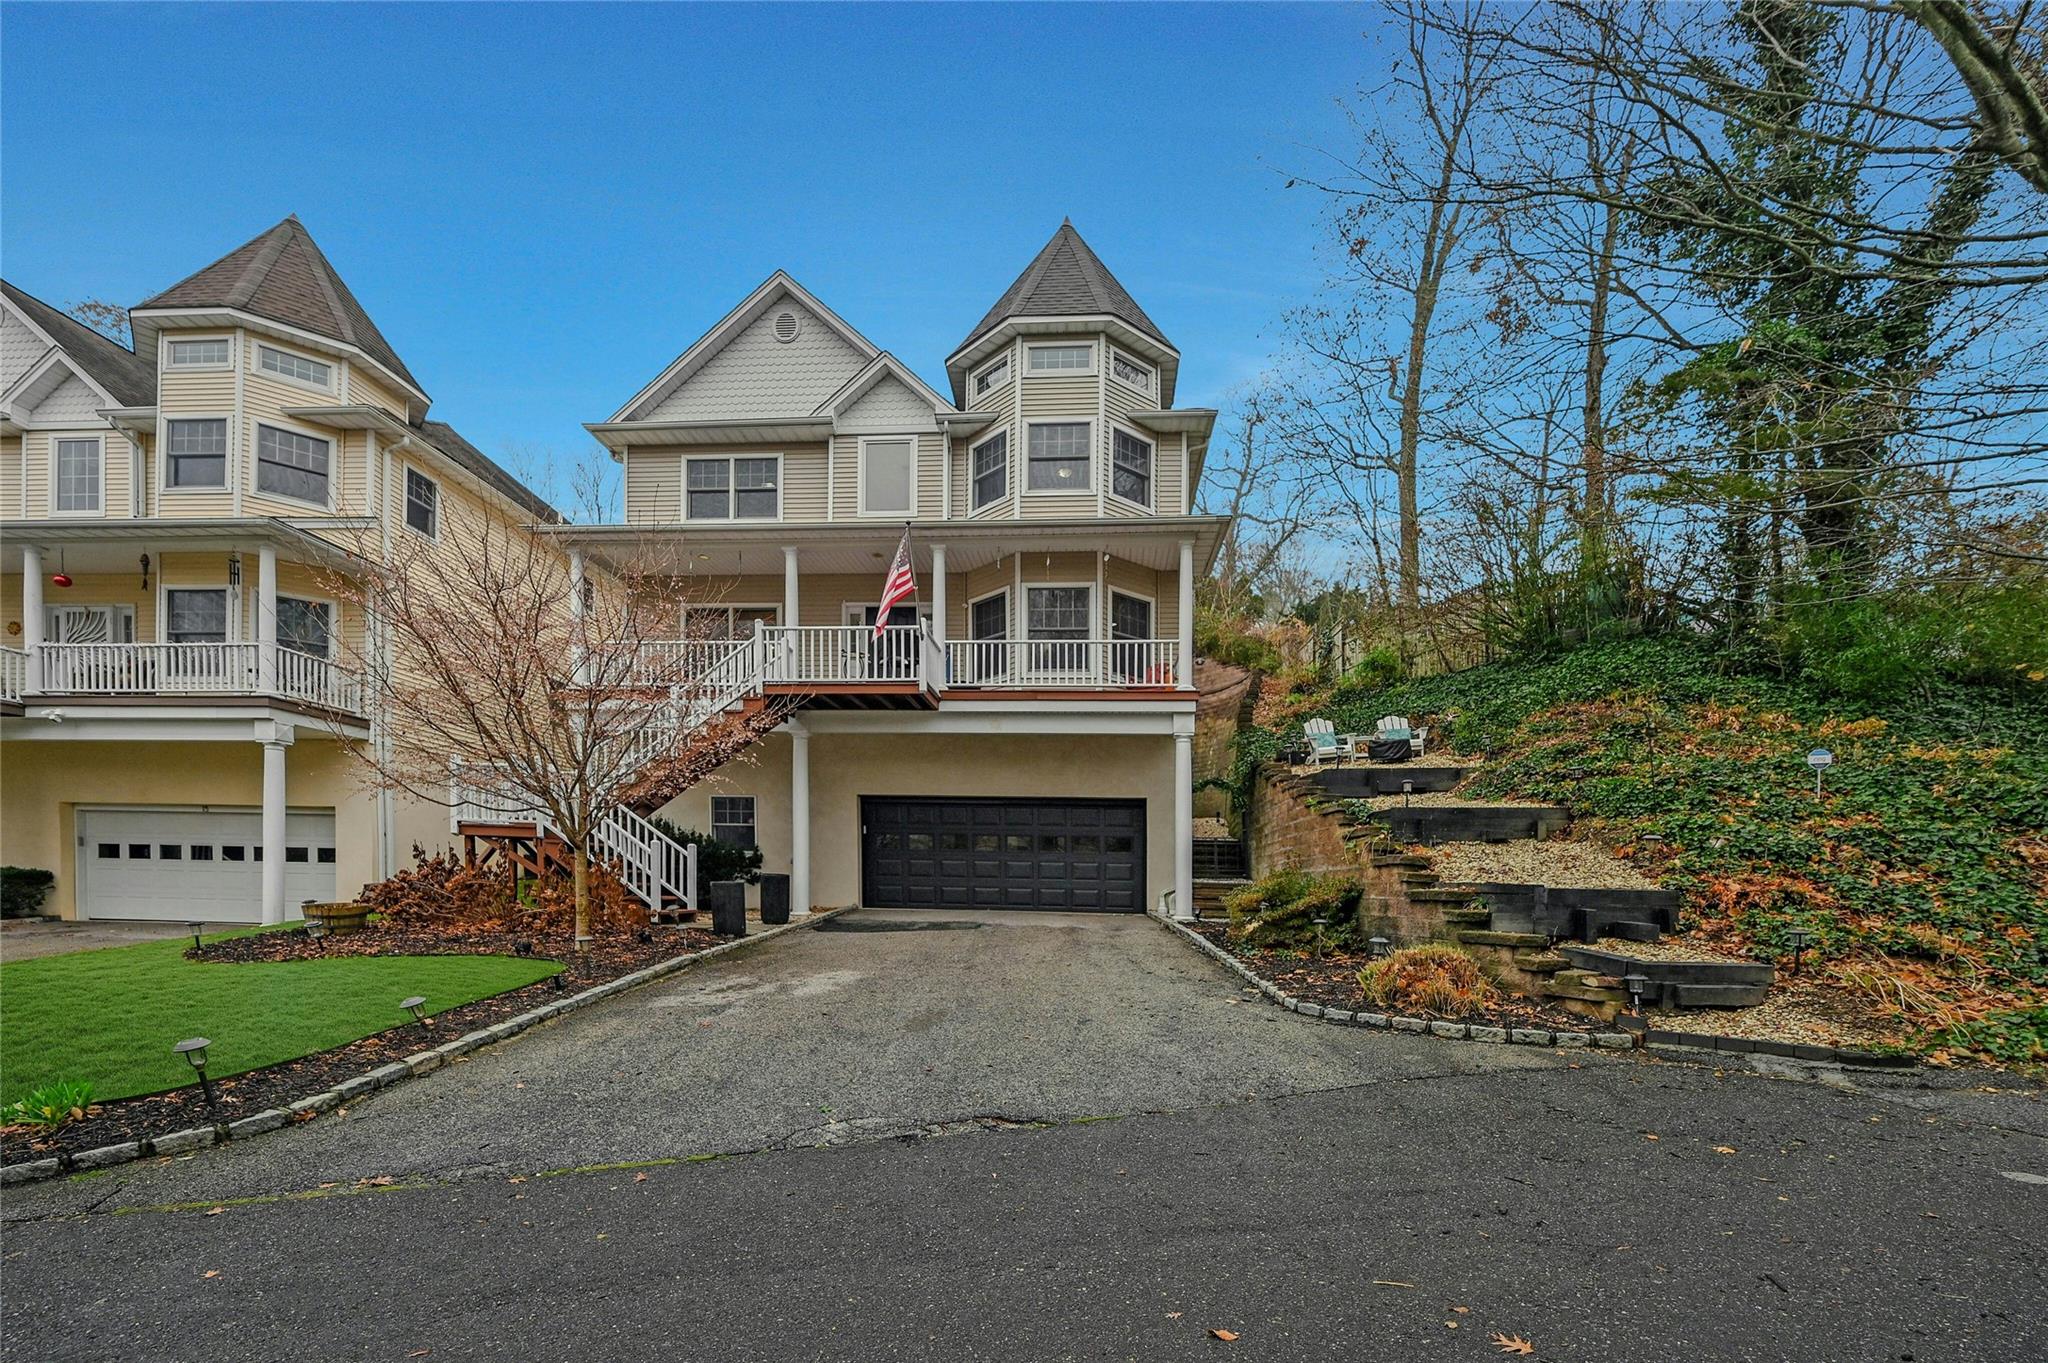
pixel 901 583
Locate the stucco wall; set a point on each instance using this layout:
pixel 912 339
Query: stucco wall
pixel 845 767
pixel 44 782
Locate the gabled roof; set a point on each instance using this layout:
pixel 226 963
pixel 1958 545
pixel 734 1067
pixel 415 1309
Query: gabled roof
pixel 127 378
pixel 1066 279
pixel 876 369
pixel 283 276
pixel 770 291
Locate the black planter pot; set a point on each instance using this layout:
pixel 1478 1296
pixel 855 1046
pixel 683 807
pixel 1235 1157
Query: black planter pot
pixel 774 900
pixel 728 901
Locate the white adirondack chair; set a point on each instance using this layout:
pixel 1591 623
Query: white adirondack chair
pixel 1325 744
pixel 1397 726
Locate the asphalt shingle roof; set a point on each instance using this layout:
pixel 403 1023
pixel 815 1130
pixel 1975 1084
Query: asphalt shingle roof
pixel 1067 279
pixel 284 276
pixel 116 368
pixel 449 441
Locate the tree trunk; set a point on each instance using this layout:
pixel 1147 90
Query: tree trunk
pixel 582 877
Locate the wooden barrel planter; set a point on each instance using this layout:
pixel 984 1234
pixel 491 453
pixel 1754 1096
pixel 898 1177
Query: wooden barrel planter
pixel 337 918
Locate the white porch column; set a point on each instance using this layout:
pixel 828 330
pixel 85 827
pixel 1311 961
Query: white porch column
pixel 266 628
pixel 275 738
pixel 1184 816
pixel 579 657
pixel 786 665
pixel 1184 667
pixel 32 615
pixel 939 594
pixel 799 818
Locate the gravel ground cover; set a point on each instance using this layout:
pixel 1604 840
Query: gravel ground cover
pixel 1558 863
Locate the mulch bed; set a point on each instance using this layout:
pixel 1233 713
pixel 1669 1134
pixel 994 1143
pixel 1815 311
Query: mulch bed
pixel 244 1095
pixel 1332 982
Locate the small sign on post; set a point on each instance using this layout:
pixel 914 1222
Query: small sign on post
pixel 1820 759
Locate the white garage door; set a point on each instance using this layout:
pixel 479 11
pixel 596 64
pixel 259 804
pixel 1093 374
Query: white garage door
pixel 196 864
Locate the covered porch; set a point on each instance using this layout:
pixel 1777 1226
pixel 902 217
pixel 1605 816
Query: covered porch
pixel 108 613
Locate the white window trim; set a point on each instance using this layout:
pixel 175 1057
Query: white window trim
pixel 860 479
pixel 1110 593
pixel 118 610
pixel 1094 359
pixel 210 367
pixel 233 614
pixel 1009 472
pixel 1109 470
pixel 1119 353
pixel 58 437
pixel 1009 620
pixel 1007 362
pixel 256 366
pixel 333 621
pixel 256 488
pixel 1087 486
pixel 732 493
pixel 731 609
pixel 405 501
pixel 753 816
pixel 1024 612
pixel 165 487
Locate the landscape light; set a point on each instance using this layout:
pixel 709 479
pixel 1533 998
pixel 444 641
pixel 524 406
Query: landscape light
pixel 194 929
pixel 1636 985
pixel 194 1050
pixel 1320 923
pixel 1380 947
pixel 1798 938
pixel 1407 789
pixel 417 1006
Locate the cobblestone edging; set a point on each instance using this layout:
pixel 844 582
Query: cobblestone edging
pixel 1456 1031
pixel 422 1062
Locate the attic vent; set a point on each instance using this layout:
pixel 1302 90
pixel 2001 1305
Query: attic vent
pixel 787 325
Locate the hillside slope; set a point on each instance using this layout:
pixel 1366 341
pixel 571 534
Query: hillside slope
pixel 1921 869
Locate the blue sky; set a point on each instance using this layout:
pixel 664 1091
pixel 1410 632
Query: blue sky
pixel 542 205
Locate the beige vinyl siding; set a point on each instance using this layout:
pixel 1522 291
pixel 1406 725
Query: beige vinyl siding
pixel 1119 401
pixel 13 488
pixel 366 391
pixel 1121 575
pixel 1118 574
pixel 929 494
pixel 654 480
pixel 37 496
pixel 86 589
pixel 197 393
pixel 1061 398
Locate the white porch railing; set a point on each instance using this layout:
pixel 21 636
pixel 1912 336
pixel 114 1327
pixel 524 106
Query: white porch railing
pixel 302 676
pixel 13 672
pixel 833 654
pixel 1091 663
pixel 141 669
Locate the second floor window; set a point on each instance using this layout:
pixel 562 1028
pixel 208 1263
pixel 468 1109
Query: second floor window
pixel 1130 475
pixel 991 474
pixel 1058 457
pixel 291 465
pixel 196 616
pixel 305 626
pixel 78 475
pixel 422 503
pixel 732 819
pixel 887 472
pixel 731 489
pixel 1129 371
pixel 196 453
pixel 292 366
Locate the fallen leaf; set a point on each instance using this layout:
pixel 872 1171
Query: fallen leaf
pixel 1175 1315
pixel 1389 1282
pixel 1225 1335
pixel 377 1181
pixel 216 1211
pixel 1462 1310
pixel 211 1273
pixel 419 1353
pixel 1724 1149
pixel 1650 1136
pixel 1450 1325
pixel 640 1178
pixel 1513 1344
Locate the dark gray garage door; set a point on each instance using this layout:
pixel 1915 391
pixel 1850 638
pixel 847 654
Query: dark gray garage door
pixel 1083 855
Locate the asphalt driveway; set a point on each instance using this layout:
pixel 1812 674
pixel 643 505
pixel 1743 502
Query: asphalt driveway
pixel 875 1023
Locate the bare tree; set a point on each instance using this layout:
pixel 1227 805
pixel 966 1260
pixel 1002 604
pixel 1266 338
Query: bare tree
pixel 557 699
pixel 1275 502
pixel 108 319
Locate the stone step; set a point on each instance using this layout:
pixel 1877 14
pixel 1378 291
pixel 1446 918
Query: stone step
pixel 1540 962
pixel 1563 985
pixel 1715 995
pixel 1420 879
pixel 1440 896
pixel 1467 918
pixel 1481 937
pixel 1409 859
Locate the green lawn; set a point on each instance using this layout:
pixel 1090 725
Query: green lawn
pixel 111 1016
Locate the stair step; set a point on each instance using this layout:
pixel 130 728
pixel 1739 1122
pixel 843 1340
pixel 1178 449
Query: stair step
pixel 1385 859
pixel 1541 962
pixel 1715 995
pixel 1481 937
pixel 1420 879
pixel 1440 896
pixel 1467 918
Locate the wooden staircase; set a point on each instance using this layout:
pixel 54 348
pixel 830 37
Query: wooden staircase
pixel 533 851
